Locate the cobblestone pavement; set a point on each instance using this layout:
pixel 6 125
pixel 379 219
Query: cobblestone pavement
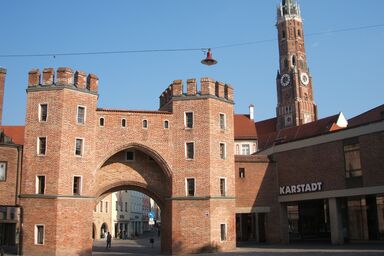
pixel 141 246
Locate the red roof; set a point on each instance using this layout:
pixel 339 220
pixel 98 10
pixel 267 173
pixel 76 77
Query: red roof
pixel 15 132
pixel 370 116
pixel 244 128
pixel 266 126
pixel 321 126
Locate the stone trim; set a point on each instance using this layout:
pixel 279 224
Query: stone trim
pixel 257 209
pixel 40 196
pixel 59 87
pixel 200 198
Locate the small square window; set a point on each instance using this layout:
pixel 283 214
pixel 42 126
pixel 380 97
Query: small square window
pixel 76 185
pixel 222 121
pixel 222 151
pixel 130 155
pixel 39 234
pixel 123 122
pixel 101 121
pixel 79 147
pixel 40 185
pixel 190 186
pixel 188 119
pixel 242 172
pixel 190 150
pixel 41 146
pixel 43 112
pixel 223 232
pixel 80 115
pixel 166 124
pixel 145 124
pixel 3 171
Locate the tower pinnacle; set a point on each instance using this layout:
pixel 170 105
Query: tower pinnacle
pixel 288 9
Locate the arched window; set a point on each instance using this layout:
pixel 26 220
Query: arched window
pixel 293 60
pixel 299 32
pixel 101 121
pixel 145 123
pixel 123 122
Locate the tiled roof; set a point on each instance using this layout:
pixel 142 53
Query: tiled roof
pixel 318 127
pixel 370 116
pixel 266 126
pixel 244 127
pixel 15 132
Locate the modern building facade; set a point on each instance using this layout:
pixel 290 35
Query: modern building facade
pixel 218 177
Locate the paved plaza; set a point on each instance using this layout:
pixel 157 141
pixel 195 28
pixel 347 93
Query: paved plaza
pixel 142 246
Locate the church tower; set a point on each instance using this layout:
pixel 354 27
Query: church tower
pixel 295 102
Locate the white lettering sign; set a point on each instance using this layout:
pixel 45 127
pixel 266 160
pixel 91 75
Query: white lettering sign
pixel 301 188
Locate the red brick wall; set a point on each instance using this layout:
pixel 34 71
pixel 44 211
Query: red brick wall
pixel 10 155
pixel 104 169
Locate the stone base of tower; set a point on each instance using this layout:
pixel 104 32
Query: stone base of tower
pixel 196 225
pixel 67 226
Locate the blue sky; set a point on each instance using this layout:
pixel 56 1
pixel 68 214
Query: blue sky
pixel 347 67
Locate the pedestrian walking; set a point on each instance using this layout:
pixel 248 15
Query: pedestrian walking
pixel 109 240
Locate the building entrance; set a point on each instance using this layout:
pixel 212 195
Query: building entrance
pixel 309 221
pixel 250 227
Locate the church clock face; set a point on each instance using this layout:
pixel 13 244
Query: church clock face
pixel 285 80
pixel 304 78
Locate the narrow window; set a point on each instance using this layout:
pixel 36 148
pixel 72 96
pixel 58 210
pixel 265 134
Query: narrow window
pixel 188 119
pixel 130 155
pixel 79 147
pixel 145 123
pixel 222 121
pixel 106 207
pixel 222 151
pixel 166 124
pixel 190 187
pixel 223 186
pixel 3 171
pixel 117 205
pixel 123 122
pixel 190 150
pixel 283 34
pixel 242 173
pixel 126 206
pixel 121 206
pixel 237 149
pixel 245 149
pixel 352 159
pixel 101 121
pixel 39 234
pixel 223 232
pixel 80 115
pixel 299 32
pixel 43 112
pixel 40 185
pixel 293 60
pixel 42 146
pixel 101 206
pixel 76 185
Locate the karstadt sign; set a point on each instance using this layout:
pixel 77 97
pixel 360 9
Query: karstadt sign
pixel 301 188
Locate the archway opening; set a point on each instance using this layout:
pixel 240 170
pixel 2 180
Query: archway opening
pixel 131 188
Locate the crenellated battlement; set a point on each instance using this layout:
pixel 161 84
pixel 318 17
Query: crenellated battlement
pixel 208 87
pixel 64 77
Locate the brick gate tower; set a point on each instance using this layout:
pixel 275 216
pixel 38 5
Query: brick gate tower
pixel 295 101
pixel 74 153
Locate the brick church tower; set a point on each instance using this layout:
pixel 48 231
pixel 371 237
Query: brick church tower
pixel 295 102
